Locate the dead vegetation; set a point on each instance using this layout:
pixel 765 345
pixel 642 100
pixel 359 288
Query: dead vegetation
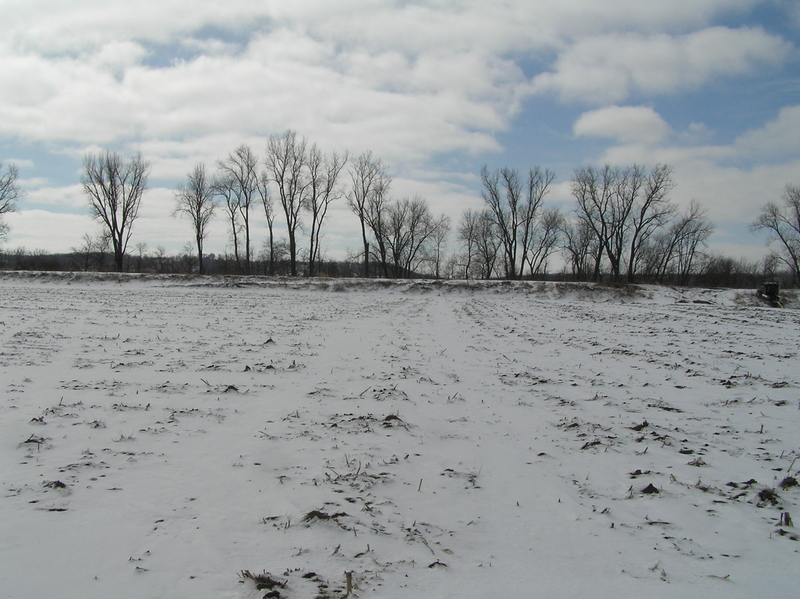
pixel 323 516
pixel 263 581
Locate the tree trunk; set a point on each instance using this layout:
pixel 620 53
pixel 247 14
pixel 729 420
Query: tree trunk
pixel 292 253
pixel 200 269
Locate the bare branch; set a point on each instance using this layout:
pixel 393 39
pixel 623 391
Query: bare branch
pixel 114 189
pixel 286 162
pixel 196 199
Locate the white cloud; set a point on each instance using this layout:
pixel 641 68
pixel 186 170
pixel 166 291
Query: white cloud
pixel 71 196
pixel 722 176
pixel 625 124
pixel 430 78
pixel 777 138
pixel 32 183
pixel 117 56
pixel 54 26
pixel 43 100
pixel 19 162
pixel 412 109
pixel 611 68
pixel 41 229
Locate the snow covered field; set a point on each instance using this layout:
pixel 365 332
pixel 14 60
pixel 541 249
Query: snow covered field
pixel 166 437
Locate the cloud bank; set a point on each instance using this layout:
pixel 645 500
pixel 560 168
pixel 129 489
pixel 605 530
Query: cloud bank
pixel 431 87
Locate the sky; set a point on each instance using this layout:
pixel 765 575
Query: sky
pixel 434 89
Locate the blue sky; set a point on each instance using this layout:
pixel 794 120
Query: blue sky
pixel 435 89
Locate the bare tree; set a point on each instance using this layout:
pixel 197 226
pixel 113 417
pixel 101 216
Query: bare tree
pixel 276 256
pixel 239 172
pixel 409 226
pixel 514 206
pixel 323 173
pixel 269 213
pixel 677 249
pixel 103 249
pixel 651 210
pixel 452 268
pixel 398 234
pixel 115 188
pixel 538 234
pixel 370 184
pixel 162 259
pixel 82 255
pixel 196 199
pixel 692 231
pixel 719 270
pixel 627 186
pixel 141 251
pixel 782 224
pixel 769 266
pixel 593 191
pixel 487 246
pixel 9 194
pixel 580 247
pixel 468 236
pixel 187 259
pixel 623 207
pixel 91 255
pixel 478 236
pixel 224 185
pixel 544 239
pixel 502 191
pixel 441 229
pixel 286 160
pixel 378 205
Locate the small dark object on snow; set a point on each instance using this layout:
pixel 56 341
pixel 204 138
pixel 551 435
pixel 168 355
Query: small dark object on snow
pixel 263 580
pixel 770 293
pixel 784 533
pixel 438 563
pixel 641 426
pixel 391 420
pixel 33 439
pixel 274 594
pixel 650 489
pixel 768 495
pixel 788 482
pixel 320 515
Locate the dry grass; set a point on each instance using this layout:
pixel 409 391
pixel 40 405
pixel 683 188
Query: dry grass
pixel 263 581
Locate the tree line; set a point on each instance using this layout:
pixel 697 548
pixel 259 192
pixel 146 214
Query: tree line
pixel 623 228
pixel 295 179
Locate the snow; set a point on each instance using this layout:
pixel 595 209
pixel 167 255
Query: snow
pixel 160 436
